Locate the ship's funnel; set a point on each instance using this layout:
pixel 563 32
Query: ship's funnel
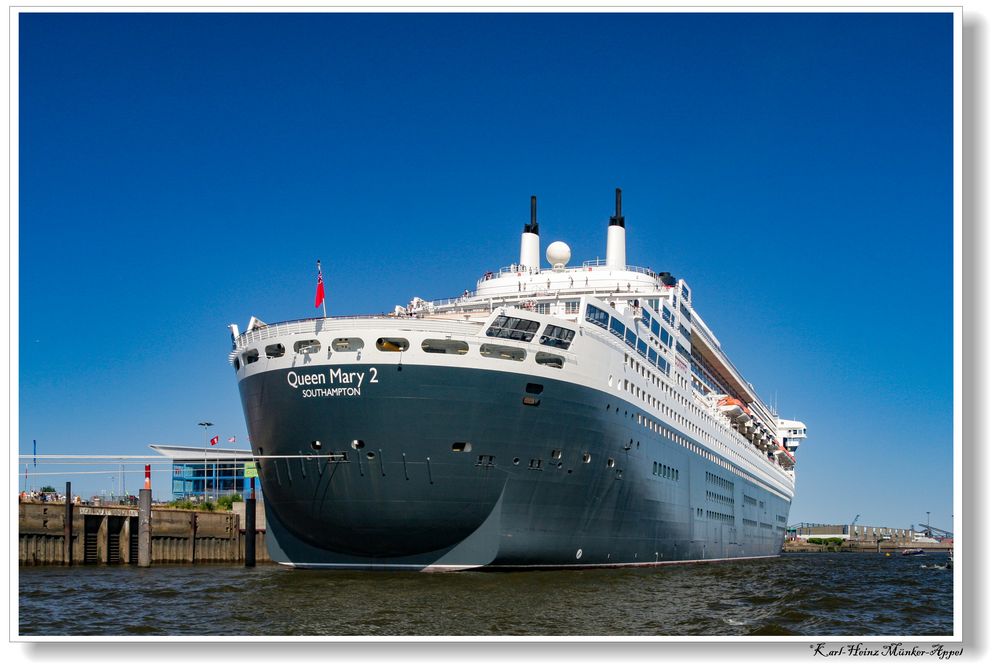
pixel 616 235
pixel 530 242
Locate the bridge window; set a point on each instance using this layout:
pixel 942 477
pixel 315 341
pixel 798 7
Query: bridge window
pixel 630 338
pixel 597 316
pixel 557 336
pixel 617 327
pixel 513 328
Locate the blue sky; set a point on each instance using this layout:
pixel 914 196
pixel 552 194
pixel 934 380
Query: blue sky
pixel 181 172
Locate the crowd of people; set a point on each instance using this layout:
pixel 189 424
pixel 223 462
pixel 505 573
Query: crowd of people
pixel 34 496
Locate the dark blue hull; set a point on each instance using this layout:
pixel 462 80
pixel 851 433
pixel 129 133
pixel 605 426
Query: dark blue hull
pixel 556 475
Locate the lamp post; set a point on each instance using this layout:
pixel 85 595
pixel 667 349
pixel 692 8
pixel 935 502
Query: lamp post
pixel 929 524
pixel 204 472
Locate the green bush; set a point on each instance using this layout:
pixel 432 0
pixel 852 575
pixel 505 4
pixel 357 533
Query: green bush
pixel 226 502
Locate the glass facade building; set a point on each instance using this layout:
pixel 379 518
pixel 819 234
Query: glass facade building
pixel 198 473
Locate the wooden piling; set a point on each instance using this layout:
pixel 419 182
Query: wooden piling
pixel 145 538
pixel 250 559
pixel 68 527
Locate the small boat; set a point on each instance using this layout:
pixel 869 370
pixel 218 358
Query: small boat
pixel 912 552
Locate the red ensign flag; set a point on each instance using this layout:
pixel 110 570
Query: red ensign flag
pixel 214 441
pixel 320 295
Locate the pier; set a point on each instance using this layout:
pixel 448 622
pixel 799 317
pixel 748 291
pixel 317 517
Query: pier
pixel 109 535
pixel 858 538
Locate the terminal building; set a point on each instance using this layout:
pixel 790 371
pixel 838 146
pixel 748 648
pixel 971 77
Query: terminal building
pixel 206 473
pixel 858 533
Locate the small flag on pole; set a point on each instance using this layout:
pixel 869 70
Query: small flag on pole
pixel 232 439
pixel 214 441
pixel 320 292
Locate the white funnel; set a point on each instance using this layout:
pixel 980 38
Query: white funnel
pixel 616 235
pixel 530 242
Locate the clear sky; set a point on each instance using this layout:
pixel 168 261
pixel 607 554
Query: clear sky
pixel 181 172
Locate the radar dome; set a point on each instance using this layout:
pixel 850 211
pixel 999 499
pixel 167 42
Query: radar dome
pixel 557 254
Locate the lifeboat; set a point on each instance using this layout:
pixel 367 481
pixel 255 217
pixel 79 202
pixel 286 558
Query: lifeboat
pixel 734 408
pixel 785 458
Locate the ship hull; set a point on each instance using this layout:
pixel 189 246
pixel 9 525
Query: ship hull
pixel 433 467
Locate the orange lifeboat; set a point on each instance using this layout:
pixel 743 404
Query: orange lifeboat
pixel 734 408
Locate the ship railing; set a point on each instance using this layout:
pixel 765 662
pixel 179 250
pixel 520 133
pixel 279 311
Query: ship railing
pixel 300 326
pixel 315 325
pixel 589 264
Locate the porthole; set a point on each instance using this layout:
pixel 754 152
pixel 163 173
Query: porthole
pixel 435 346
pixel 461 446
pixel 516 461
pixel 346 344
pixel 274 351
pixel 357 444
pixel 550 360
pixel 370 455
pixel 306 346
pixel 251 356
pixel 586 457
pixel 316 444
pixel 392 344
pixel 611 463
pixel 502 352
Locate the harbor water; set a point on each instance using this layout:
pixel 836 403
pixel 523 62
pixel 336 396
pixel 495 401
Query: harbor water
pixel 829 594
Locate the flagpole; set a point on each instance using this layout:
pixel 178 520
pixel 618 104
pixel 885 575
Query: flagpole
pixel 318 268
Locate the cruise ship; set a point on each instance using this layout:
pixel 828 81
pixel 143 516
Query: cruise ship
pixel 568 416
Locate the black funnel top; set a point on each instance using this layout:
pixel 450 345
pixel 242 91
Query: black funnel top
pixel 617 220
pixel 532 227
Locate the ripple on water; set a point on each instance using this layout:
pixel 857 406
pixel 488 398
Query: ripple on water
pixel 830 595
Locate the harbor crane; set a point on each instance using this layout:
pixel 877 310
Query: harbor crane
pixel 936 532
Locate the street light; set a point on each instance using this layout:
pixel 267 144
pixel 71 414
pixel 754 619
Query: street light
pixel 204 472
